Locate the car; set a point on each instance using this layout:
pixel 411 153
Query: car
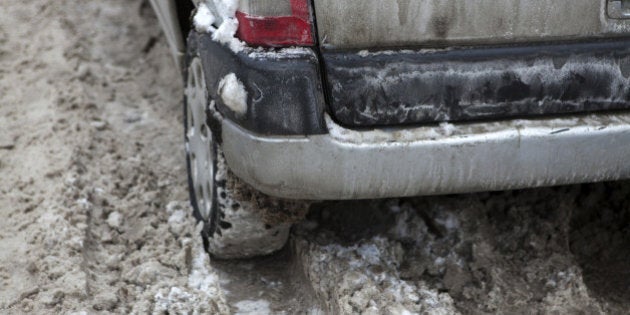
pixel 293 100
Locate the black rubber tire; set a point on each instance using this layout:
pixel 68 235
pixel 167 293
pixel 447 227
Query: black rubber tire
pixel 243 222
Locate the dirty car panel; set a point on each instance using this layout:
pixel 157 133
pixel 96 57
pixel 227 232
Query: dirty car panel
pixel 344 24
pixel 284 91
pixel 412 87
pixel 349 164
pixel 356 116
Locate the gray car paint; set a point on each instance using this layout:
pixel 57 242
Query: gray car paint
pixel 349 164
pixel 377 23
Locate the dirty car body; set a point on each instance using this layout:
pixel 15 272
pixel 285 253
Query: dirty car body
pixel 404 98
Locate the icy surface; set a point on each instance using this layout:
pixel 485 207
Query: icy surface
pixel 233 94
pixel 364 277
pixel 281 53
pixel 114 220
pixel 557 250
pixel 247 307
pixel 204 21
pixel 475 130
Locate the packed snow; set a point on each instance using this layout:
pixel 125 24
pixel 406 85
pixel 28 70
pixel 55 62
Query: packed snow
pixel 233 94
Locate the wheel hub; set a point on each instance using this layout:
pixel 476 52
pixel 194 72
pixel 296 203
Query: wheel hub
pixel 199 145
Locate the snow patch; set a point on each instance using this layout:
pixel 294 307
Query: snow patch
pixel 176 299
pixel 225 35
pixel 475 131
pixel 369 271
pixel 226 8
pixel 201 294
pixel 205 20
pixel 258 307
pixel 281 53
pixel 233 94
pixel 315 311
pixel 114 220
pixel 366 53
pixel 448 128
pixel 178 216
pixel 370 253
pixel 202 279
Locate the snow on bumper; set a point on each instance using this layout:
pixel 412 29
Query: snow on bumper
pixel 267 92
pixel 347 164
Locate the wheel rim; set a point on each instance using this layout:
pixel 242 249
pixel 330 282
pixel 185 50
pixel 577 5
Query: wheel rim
pixel 199 145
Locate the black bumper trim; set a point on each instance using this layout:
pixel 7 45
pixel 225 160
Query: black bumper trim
pixel 284 91
pixel 406 87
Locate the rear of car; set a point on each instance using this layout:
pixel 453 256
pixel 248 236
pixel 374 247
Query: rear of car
pixel 493 59
pixel 354 99
pixel 400 98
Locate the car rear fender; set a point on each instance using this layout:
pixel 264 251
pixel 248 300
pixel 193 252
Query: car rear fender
pixel 169 13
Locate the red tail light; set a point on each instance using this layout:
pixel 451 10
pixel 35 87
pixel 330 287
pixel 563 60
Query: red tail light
pixel 275 23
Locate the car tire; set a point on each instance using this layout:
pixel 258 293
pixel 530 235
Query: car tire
pixel 238 222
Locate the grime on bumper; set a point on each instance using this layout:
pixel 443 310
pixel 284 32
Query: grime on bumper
pixel 419 87
pixel 276 135
pixel 273 92
pixel 348 164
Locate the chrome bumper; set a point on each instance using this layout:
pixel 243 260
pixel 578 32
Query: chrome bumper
pixel 458 158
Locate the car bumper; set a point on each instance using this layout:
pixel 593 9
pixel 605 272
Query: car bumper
pixel 477 83
pixel 284 93
pixel 285 145
pixel 458 158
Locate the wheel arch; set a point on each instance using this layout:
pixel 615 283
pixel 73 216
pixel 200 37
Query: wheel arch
pixel 174 18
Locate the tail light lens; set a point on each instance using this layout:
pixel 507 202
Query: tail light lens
pixel 275 22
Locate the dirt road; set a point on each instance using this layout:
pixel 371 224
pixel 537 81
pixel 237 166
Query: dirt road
pixel 95 217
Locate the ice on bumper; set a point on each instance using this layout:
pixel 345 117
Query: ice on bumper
pixel 349 164
pixel 233 94
pixel 223 14
pixel 204 19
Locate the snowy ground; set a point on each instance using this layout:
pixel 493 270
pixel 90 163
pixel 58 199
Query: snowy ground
pixel 96 219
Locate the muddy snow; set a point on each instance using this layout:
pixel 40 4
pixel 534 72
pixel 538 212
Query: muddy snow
pixel 95 217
